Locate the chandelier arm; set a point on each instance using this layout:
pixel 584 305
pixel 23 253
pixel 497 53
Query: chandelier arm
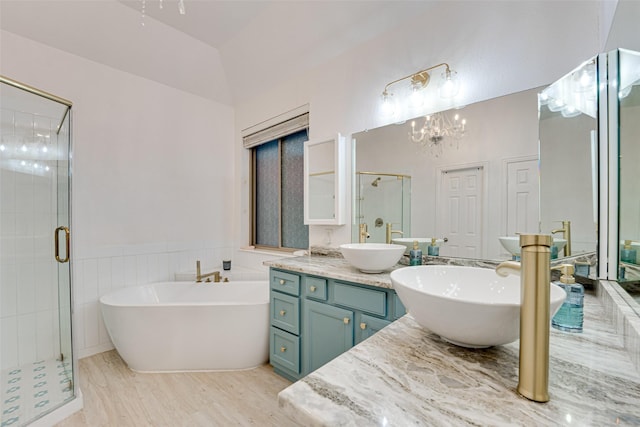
pixel 414 74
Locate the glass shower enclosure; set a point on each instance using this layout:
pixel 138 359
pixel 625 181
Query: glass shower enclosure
pixel 36 360
pixel 381 199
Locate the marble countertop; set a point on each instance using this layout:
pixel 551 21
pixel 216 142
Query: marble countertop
pixel 406 375
pixel 336 267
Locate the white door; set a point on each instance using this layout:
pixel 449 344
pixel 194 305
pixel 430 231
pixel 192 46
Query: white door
pixel 460 212
pixel 522 197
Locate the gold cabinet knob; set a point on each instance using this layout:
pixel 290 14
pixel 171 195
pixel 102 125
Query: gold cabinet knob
pixel 312 288
pixel 282 312
pixel 363 326
pixel 283 349
pixel 346 320
pixel 282 281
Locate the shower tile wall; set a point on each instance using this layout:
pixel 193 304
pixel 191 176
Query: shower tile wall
pixel 112 268
pixel 28 300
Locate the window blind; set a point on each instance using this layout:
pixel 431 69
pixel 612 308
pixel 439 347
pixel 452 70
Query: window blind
pixel 277 127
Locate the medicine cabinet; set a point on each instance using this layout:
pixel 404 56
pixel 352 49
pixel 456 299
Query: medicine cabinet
pixel 324 181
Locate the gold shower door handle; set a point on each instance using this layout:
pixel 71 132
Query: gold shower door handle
pixel 57 244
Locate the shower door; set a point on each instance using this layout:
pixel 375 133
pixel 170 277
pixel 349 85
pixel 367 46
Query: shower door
pixel 36 363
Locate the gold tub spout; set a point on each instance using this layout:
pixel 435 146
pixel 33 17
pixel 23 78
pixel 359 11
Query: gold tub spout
pixel 535 278
pixel 200 276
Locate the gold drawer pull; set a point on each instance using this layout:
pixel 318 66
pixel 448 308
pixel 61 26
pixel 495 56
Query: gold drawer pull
pixel 282 281
pixel 346 320
pixel 313 288
pixel 363 326
pixel 282 312
pixel 283 349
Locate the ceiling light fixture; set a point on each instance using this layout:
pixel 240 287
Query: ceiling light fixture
pixel 143 8
pixel 448 87
pixel 438 129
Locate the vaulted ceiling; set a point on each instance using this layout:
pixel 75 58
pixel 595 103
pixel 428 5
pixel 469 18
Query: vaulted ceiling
pixel 224 50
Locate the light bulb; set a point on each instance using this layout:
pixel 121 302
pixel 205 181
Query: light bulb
pixel 450 85
pixel 23 148
pixel 45 149
pixel 417 95
pixel 386 108
pixel 2 147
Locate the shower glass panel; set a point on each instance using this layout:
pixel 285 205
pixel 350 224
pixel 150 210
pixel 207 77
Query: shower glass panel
pixel 382 198
pixel 36 361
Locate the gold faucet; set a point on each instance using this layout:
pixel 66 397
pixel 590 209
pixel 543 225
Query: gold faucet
pixel 566 234
pixel 364 234
pixel 391 232
pixel 535 282
pixel 200 276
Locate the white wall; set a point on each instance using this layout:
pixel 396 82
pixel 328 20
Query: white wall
pixel 153 177
pixel 496 47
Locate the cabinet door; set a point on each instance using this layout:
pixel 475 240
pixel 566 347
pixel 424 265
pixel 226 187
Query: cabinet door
pixel 328 332
pixel 370 325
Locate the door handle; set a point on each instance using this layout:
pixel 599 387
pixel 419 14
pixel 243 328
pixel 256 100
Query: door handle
pixel 57 244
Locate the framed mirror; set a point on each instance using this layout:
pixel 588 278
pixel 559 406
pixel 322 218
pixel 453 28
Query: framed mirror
pixel 324 181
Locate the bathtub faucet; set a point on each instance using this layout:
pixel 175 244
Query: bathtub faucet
pixel 200 276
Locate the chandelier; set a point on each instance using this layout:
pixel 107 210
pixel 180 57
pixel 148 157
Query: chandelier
pixel 438 130
pixel 143 8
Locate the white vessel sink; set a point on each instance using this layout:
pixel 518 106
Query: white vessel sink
pixel 467 306
pixel 423 242
pixel 372 257
pixel 512 244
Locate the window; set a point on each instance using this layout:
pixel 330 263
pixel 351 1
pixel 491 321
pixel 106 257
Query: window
pixel 278 185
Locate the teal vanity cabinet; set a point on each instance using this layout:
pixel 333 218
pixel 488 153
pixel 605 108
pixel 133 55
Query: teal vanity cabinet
pixel 315 319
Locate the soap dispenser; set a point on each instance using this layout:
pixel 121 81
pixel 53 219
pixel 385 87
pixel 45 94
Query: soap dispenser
pixel 415 254
pixel 433 249
pixel 570 316
pixel 627 254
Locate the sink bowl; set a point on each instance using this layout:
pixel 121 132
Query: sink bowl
pixel 423 242
pixel 467 306
pixel 372 257
pixel 512 244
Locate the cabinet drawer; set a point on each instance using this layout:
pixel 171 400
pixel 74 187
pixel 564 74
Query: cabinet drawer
pixel 368 300
pixel 284 350
pixel 315 288
pixel 398 307
pixel 285 312
pixel 285 282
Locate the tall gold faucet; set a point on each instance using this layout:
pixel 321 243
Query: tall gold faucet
pixel 200 276
pixel 391 232
pixel 566 234
pixel 364 234
pixel 535 282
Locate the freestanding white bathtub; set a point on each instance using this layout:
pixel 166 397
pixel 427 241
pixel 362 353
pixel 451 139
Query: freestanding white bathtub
pixel 187 326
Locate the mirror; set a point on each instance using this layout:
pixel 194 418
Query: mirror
pixel 568 133
pixel 482 185
pixel 324 165
pixel 629 129
pixel 484 177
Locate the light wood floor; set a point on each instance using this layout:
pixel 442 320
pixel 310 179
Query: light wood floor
pixel 116 396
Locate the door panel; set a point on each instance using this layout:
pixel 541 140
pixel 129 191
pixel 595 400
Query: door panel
pixel 460 213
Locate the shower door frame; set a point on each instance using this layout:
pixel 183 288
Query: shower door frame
pixel 63 275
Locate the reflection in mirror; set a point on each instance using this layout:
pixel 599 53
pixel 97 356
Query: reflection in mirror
pixel 323 185
pixel 568 159
pixel 383 203
pixel 629 217
pixel 482 180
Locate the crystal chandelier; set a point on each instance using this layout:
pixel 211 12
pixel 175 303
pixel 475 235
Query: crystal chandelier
pixel 438 129
pixel 143 8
